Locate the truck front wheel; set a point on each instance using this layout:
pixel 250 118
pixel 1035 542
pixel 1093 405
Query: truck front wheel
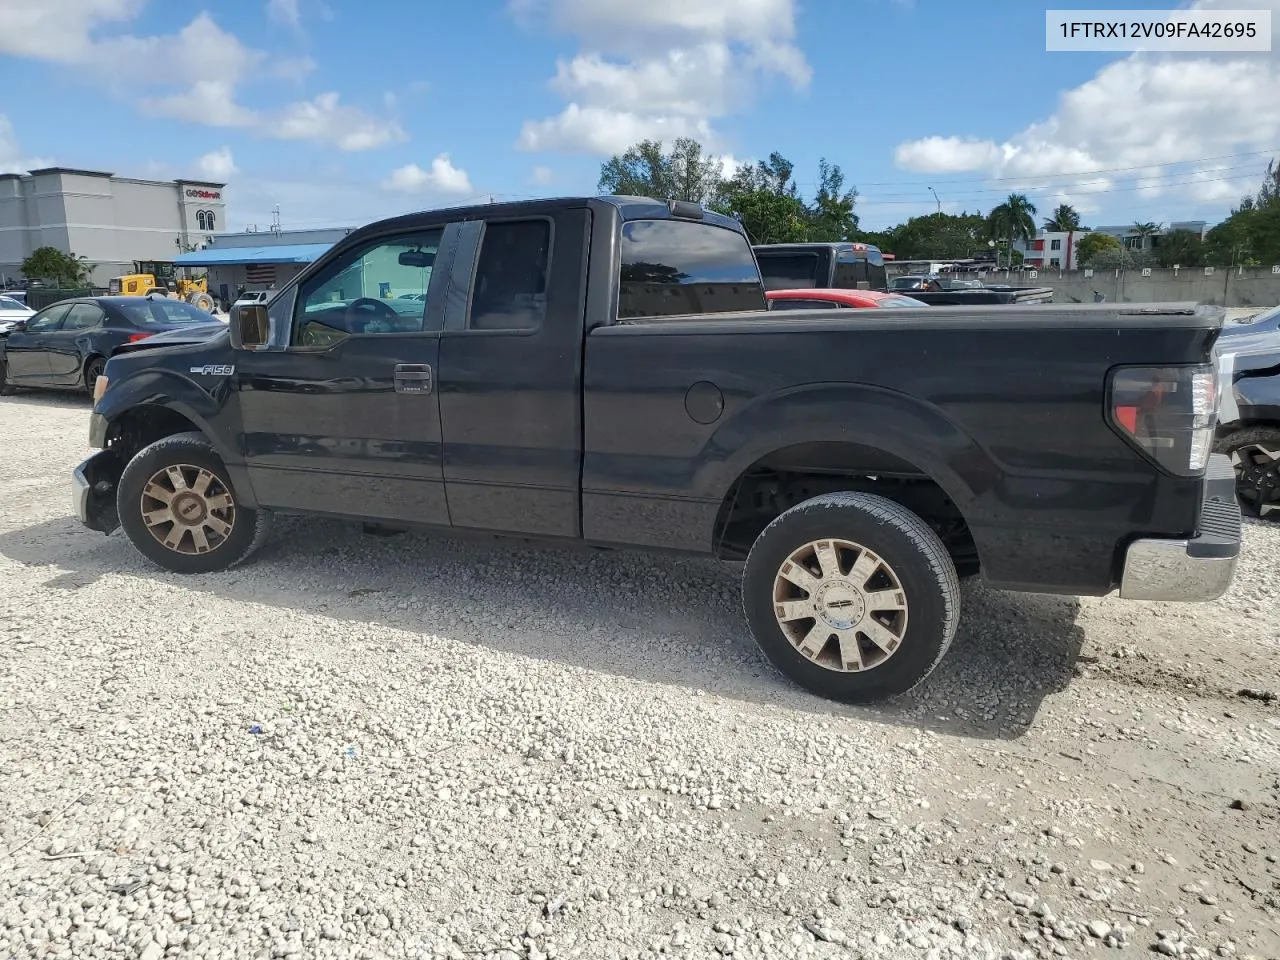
pixel 852 596
pixel 177 506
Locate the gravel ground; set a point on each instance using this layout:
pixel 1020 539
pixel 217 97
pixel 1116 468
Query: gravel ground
pixel 421 747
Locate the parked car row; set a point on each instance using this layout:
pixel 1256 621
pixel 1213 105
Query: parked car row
pixel 67 344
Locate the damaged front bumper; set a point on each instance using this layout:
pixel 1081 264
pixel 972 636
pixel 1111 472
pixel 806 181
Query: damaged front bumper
pixel 93 485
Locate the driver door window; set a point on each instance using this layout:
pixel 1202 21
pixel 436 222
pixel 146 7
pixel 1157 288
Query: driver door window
pixel 49 320
pixel 380 288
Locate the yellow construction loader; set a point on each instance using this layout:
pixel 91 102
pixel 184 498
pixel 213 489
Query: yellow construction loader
pixel 194 292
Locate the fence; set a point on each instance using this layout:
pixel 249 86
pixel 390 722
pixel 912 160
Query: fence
pixel 40 297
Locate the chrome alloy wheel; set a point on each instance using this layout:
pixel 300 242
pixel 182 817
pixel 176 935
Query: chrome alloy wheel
pixel 188 509
pixel 840 605
pixel 1258 478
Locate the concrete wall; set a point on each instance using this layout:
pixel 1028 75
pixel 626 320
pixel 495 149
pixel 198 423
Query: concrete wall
pixel 1227 286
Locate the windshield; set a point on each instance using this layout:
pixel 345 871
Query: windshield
pixel 8 303
pixel 162 313
pixel 901 302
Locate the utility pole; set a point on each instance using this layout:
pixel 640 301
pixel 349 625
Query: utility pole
pixel 935 197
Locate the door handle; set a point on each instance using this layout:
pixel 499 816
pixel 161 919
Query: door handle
pixel 412 378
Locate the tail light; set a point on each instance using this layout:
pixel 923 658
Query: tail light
pixel 135 337
pixel 99 388
pixel 1168 413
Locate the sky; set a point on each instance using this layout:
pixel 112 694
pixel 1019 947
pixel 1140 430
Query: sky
pixel 342 112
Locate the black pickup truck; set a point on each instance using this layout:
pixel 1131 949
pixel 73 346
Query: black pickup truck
pixel 603 371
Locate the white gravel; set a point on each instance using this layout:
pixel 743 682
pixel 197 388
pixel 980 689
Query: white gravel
pixel 420 747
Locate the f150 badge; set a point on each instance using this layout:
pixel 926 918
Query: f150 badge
pixel 215 369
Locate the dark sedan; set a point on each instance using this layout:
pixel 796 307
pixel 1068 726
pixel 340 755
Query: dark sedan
pixel 66 345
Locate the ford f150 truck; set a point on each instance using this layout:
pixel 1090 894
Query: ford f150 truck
pixel 603 371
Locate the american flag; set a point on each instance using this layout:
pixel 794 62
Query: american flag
pixel 260 274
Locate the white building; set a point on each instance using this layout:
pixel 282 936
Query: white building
pixel 1129 236
pixel 110 221
pixel 1050 250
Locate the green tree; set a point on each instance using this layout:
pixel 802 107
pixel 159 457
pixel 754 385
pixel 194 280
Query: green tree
pixel 1182 248
pixel 766 202
pixel 942 236
pixel 686 172
pixel 763 197
pixel 1065 219
pixel 831 215
pixel 1013 220
pixel 1251 234
pixel 51 264
pixel 1091 245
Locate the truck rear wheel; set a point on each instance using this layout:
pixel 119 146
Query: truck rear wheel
pixel 177 506
pixel 852 596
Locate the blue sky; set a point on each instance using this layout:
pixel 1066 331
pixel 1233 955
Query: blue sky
pixel 341 115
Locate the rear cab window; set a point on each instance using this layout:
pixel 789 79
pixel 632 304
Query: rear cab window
pixel 674 268
pixel 789 271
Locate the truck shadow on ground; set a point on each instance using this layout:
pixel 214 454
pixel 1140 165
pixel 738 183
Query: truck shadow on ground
pixel 645 617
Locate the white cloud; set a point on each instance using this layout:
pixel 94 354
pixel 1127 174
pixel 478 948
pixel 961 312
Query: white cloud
pixel 12 160
pixel 193 75
pixel 442 177
pixel 660 69
pixel 296 69
pixel 326 120
pixel 211 102
pixel 946 155
pixel 599 130
pixel 218 165
pixel 284 11
pixel 1134 118
pixel 541 175
pixel 58 29
pixel 200 51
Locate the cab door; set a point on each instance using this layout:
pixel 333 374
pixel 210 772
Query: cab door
pixel 345 419
pixel 511 375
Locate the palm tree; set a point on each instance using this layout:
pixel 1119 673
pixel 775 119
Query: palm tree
pixel 1144 230
pixel 1064 220
pixel 1013 220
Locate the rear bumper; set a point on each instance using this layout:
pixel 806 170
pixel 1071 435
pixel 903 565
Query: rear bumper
pixel 93 491
pixel 1196 569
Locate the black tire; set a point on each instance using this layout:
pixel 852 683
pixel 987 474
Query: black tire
pixel 249 528
pixel 6 388
pixel 1257 484
pixel 92 370
pixel 913 554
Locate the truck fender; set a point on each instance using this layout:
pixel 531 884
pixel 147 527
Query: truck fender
pixel 165 388
pixel 885 420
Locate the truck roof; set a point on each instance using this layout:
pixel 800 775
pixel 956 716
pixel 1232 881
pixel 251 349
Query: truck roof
pixel 817 244
pixel 628 208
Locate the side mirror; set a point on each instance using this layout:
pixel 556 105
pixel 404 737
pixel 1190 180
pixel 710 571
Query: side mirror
pixel 17 326
pixel 249 327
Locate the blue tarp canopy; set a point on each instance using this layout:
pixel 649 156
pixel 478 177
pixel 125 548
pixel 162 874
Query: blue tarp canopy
pixel 214 257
